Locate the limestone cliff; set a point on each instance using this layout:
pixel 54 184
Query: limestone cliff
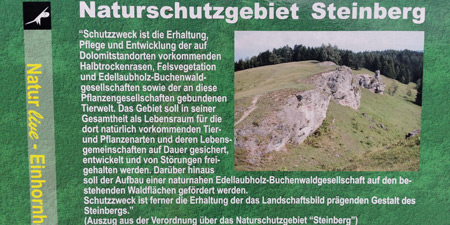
pixel 299 114
pixel 374 84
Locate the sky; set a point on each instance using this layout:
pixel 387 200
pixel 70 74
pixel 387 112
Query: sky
pixel 250 43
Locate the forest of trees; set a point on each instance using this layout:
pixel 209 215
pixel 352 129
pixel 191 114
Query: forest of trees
pixel 404 66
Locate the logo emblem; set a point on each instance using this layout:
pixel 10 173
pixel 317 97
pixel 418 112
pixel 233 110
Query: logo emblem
pixel 36 15
pixel 43 14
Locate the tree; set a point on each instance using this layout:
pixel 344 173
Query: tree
pixel 404 66
pixel 355 62
pixel 274 59
pixel 419 92
pixel 345 59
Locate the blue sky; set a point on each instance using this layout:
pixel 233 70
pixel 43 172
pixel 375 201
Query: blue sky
pixel 250 43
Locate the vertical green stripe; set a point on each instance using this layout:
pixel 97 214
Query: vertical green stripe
pixel 38 50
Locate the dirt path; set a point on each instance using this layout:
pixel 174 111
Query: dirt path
pixel 249 109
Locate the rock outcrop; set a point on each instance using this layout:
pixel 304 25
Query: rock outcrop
pixel 327 63
pixel 343 88
pixel 412 134
pixel 300 114
pixel 299 117
pixel 374 84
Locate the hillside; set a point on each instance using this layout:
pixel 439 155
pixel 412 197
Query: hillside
pixel 371 137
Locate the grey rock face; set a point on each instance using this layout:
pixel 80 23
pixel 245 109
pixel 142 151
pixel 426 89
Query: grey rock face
pixel 343 88
pixel 300 114
pixel 377 74
pixel 300 118
pixel 374 84
pixel 327 63
pixel 412 134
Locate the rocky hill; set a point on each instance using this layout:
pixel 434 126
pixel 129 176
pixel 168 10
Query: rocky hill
pixel 280 120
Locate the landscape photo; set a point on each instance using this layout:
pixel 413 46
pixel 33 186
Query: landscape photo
pixel 328 100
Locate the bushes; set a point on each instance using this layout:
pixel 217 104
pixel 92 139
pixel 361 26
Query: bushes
pixel 392 89
pixel 315 138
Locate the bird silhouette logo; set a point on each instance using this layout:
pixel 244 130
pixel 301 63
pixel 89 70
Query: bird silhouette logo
pixel 37 20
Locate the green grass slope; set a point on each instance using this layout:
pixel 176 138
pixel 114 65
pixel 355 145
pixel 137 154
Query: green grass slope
pixel 265 79
pixel 371 138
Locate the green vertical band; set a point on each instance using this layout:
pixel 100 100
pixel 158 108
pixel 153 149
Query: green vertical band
pixel 40 119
